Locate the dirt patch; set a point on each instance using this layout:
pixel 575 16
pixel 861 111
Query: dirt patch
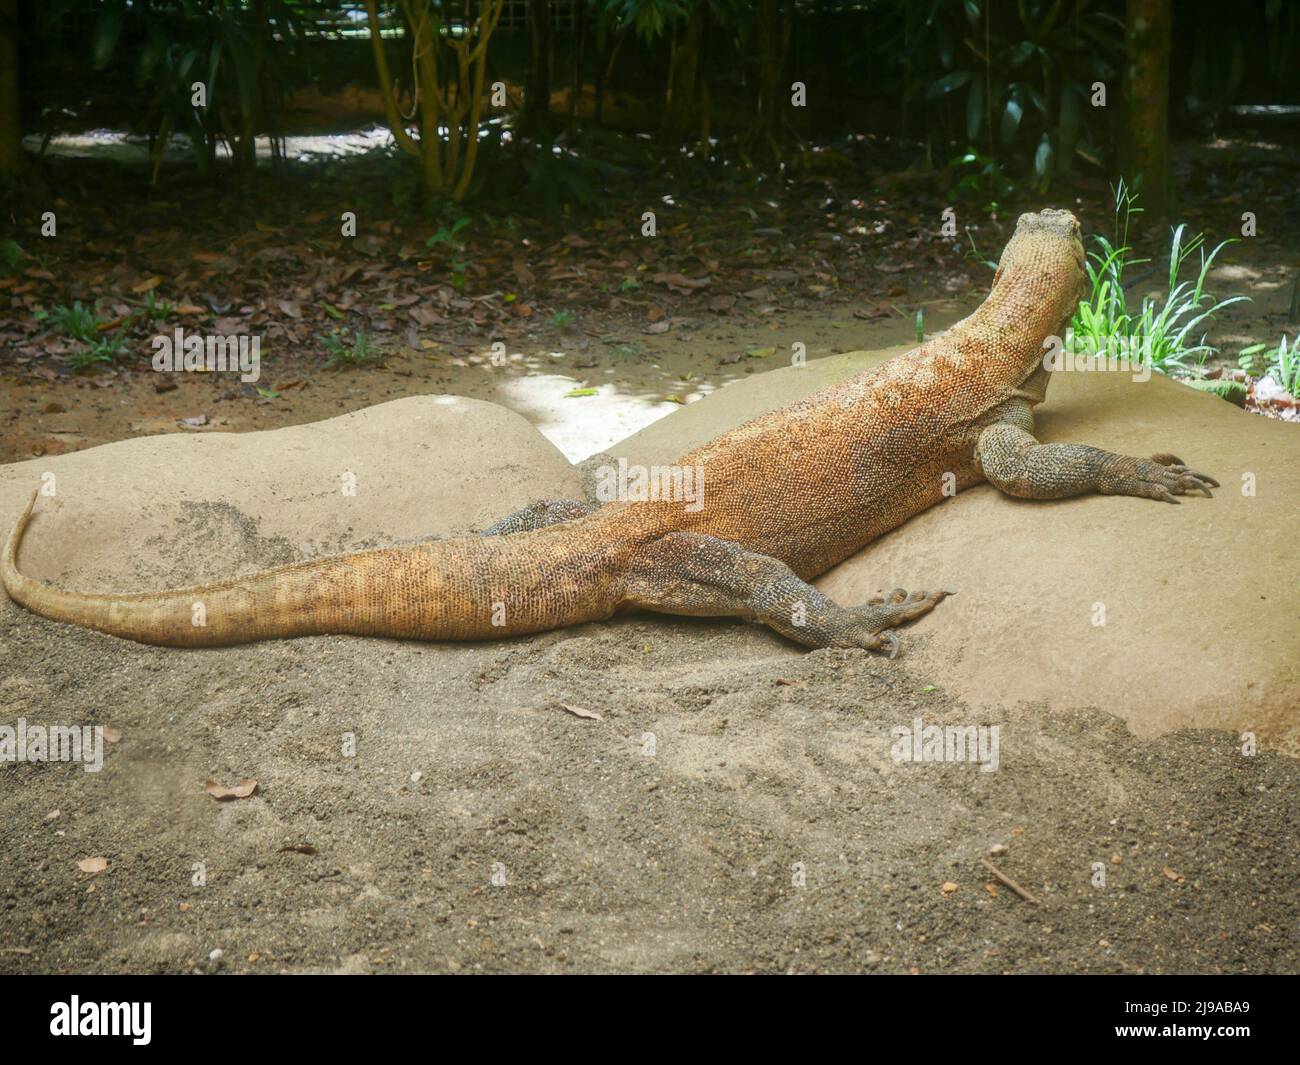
pixel 671 835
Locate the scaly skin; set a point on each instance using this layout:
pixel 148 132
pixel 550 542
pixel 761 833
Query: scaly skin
pixel 786 496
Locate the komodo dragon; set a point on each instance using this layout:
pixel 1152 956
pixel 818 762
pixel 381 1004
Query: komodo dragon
pixel 786 496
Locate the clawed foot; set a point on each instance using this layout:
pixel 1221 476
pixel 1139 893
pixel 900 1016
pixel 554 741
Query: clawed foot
pixel 1165 477
pixel 873 620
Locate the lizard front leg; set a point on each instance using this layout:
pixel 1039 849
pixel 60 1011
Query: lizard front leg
pixel 697 574
pixel 1016 463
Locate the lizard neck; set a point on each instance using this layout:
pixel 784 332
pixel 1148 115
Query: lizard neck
pixel 1021 319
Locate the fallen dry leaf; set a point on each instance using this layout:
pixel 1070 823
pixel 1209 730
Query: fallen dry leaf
pixel 680 282
pixel 93 865
pixel 578 711
pixel 147 285
pixel 242 790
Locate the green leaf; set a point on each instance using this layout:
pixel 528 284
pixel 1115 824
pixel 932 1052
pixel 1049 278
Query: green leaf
pixel 1043 157
pixel 947 84
pixel 1035 97
pixel 975 109
pixel 1071 118
pixel 1021 52
pixel 11 253
pixel 944 42
pixel 1011 117
pixel 108 28
pixel 183 68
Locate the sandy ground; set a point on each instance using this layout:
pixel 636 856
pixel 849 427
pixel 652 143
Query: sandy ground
pixel 736 806
pixel 667 836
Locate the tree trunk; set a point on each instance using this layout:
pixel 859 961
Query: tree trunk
pixel 683 75
pixel 537 86
pixel 12 160
pixel 579 55
pixel 772 26
pixel 602 48
pixel 1145 153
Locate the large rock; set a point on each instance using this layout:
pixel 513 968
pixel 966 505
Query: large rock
pixel 1201 622
pixel 1199 600
pixel 181 508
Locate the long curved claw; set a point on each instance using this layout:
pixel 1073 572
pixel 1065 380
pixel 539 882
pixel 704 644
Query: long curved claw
pixel 1167 477
pixel 871 624
pixel 884 642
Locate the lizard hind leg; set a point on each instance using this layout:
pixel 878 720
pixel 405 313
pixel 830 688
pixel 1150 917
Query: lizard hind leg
pixel 697 574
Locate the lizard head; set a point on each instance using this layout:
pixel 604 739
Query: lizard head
pixel 1049 242
pixel 1046 254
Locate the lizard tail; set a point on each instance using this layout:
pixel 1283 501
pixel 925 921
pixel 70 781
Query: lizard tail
pixel 460 589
